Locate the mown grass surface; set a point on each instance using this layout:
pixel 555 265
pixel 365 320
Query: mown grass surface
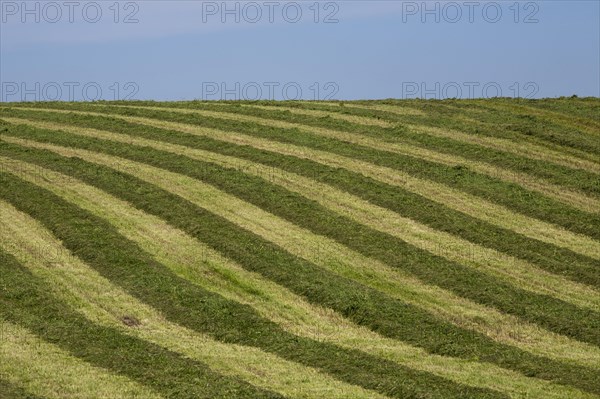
pixel 123 263
pixel 410 205
pixel 72 281
pixel 469 115
pixel 185 177
pixel 512 270
pixel 70 277
pixel 310 215
pixel 266 123
pixel 366 307
pixel 26 303
pixel 331 256
pixel 48 371
pixel 12 391
pixel 220 118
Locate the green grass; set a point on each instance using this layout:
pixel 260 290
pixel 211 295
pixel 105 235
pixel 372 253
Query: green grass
pixel 366 307
pixel 25 302
pixel 577 179
pixel 556 126
pixel 552 314
pixel 11 391
pixel 402 201
pixel 123 263
pixel 406 203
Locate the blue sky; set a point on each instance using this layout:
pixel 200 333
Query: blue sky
pixel 175 50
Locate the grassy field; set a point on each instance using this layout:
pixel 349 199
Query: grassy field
pixel 369 249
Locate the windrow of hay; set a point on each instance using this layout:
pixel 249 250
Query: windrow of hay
pixel 359 120
pixel 521 148
pixel 392 109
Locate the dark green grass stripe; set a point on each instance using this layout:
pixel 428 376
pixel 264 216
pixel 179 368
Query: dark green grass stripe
pixel 364 306
pixel 125 264
pixel 551 313
pixel 24 300
pixel 11 391
pixel 510 195
pixel 547 256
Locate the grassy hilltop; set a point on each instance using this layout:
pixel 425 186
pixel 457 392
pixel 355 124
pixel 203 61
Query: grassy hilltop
pixel 368 249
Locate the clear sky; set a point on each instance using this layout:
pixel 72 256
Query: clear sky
pixel 174 50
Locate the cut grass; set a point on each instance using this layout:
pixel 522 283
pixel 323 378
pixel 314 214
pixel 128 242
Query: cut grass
pixel 512 196
pixel 558 128
pixel 412 124
pixel 519 273
pixel 584 330
pixel 492 118
pixel 530 306
pixel 557 192
pixel 342 105
pixel 190 306
pixel 518 148
pixel 503 119
pixel 374 164
pixel 324 114
pixel 402 133
pixel 45 370
pixel 480 159
pixel 317 256
pixel 241 214
pixel 260 260
pixel 25 302
pixel 399 200
pixel 583 114
pixel 73 282
pixel 272 302
pixel 9 390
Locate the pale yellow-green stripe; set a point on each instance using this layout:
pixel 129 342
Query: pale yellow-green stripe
pixel 392 109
